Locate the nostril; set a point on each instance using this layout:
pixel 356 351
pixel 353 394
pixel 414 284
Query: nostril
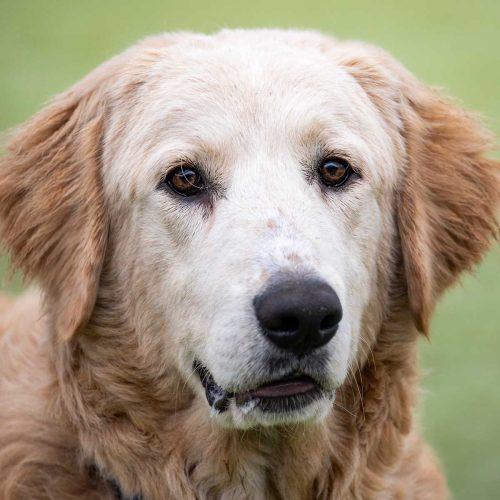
pixel 286 323
pixel 328 322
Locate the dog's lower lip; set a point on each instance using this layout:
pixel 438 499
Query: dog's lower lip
pixel 289 392
pixel 280 389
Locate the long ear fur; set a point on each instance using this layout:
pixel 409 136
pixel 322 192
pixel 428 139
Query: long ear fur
pixel 449 192
pixel 448 201
pixel 52 211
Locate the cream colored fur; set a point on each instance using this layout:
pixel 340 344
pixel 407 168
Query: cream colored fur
pixel 96 379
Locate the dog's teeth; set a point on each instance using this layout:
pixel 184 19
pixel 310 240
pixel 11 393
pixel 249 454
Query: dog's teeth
pixel 249 405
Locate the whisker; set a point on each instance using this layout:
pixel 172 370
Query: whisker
pixel 345 409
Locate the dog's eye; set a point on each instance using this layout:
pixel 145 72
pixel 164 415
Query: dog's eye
pixel 185 181
pixel 334 171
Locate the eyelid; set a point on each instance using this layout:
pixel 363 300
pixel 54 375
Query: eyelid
pixel 182 162
pixel 167 168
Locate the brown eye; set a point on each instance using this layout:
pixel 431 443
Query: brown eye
pixel 334 171
pixel 185 181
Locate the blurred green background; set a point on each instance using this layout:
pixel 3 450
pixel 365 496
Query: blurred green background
pixel 47 45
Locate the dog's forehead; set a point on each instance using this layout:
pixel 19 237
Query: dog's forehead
pixel 263 85
pixel 223 98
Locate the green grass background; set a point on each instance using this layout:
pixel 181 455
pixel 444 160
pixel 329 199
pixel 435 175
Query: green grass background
pixel 47 45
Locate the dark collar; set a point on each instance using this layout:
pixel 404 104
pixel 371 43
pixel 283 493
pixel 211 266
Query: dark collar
pixel 95 474
pixel 119 494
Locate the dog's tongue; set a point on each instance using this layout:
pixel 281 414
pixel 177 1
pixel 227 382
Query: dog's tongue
pixel 284 388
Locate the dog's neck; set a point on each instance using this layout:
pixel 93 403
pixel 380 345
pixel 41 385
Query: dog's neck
pixel 151 444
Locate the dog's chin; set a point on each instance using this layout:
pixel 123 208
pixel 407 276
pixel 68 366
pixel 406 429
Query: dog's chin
pixel 291 399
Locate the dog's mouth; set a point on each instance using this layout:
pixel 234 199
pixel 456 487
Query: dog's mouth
pixel 287 394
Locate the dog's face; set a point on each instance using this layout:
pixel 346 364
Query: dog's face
pixel 258 190
pixel 264 193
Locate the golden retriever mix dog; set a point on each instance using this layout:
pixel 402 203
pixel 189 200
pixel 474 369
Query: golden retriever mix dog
pixel 237 240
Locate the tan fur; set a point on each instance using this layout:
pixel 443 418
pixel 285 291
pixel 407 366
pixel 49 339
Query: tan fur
pixel 82 400
pixel 51 188
pixel 446 211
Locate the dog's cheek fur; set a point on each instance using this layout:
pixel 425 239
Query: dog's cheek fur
pixel 52 210
pixel 449 192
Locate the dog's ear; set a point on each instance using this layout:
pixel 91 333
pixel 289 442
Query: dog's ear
pixel 449 190
pixel 52 212
pixel 448 197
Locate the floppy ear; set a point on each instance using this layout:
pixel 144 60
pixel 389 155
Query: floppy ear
pixel 52 211
pixel 448 199
pixel 449 190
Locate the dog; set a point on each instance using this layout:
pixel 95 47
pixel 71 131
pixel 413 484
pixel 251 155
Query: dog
pixel 236 241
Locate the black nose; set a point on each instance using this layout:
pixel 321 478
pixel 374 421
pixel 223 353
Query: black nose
pixel 299 315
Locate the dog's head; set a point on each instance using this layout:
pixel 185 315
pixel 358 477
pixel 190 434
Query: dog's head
pixel 256 198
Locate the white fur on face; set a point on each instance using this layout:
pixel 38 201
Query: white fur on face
pixel 256 122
